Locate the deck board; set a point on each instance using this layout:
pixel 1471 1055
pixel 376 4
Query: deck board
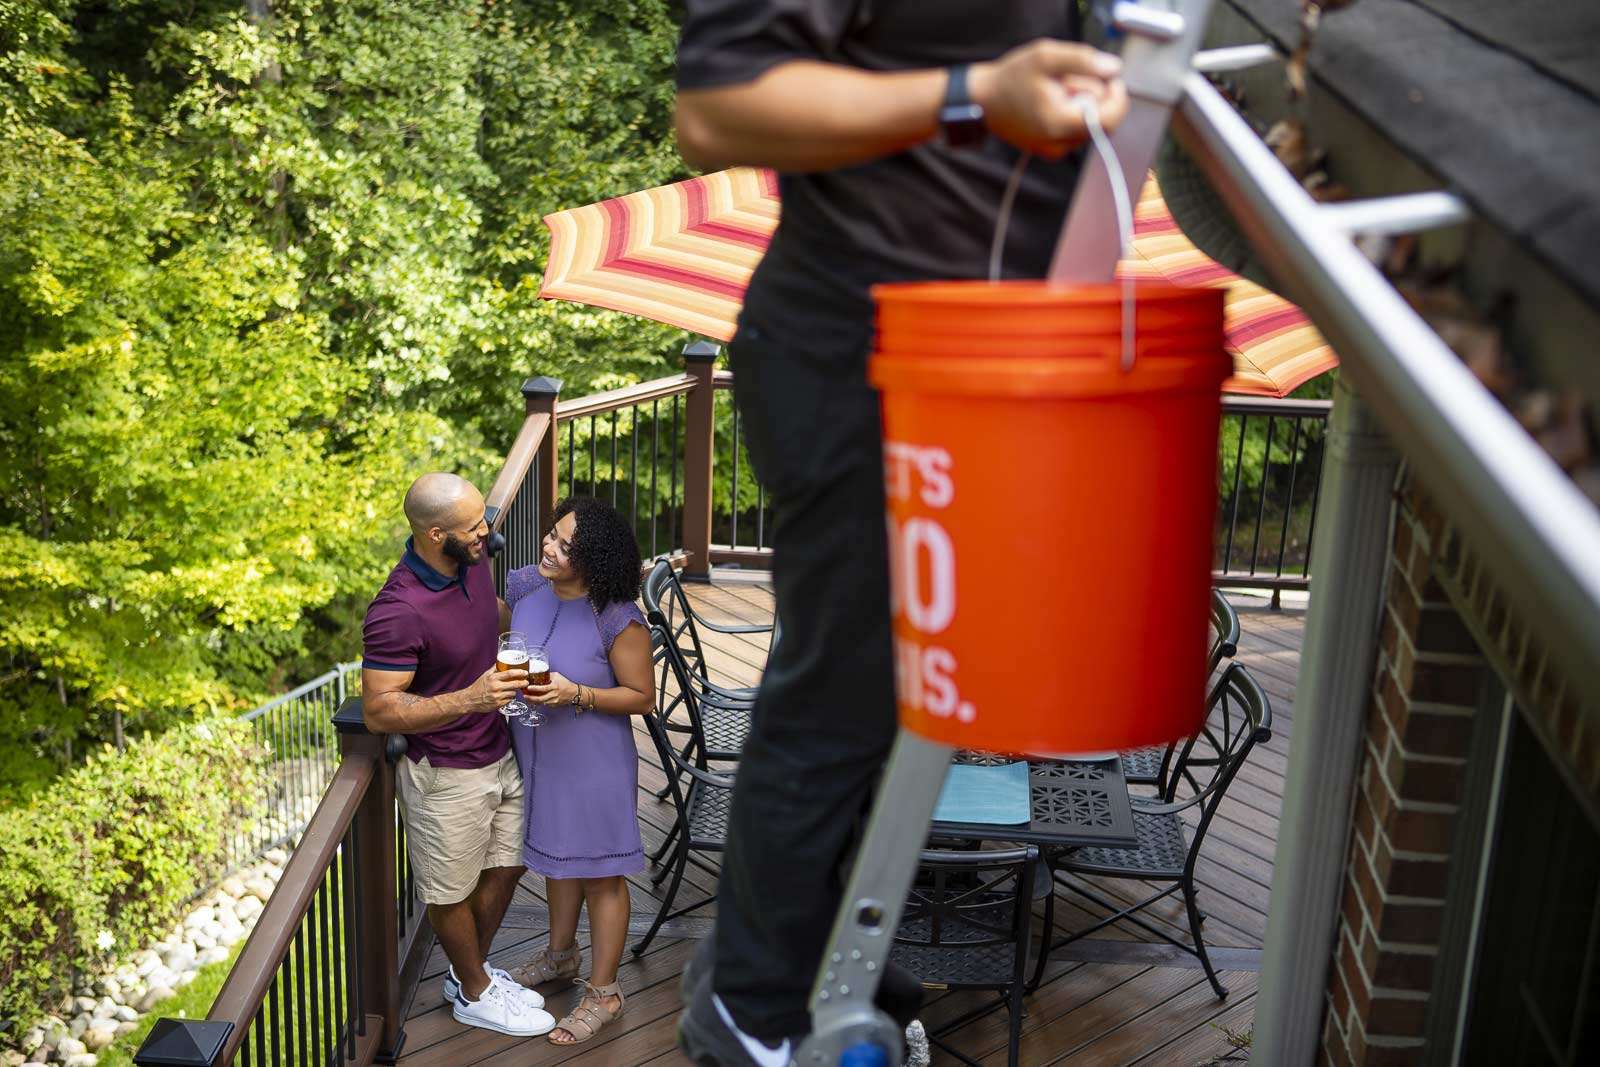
pixel 1088 1013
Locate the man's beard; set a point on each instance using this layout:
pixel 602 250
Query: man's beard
pixel 458 550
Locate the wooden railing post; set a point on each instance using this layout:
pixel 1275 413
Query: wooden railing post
pixel 540 396
pixel 376 909
pixel 699 357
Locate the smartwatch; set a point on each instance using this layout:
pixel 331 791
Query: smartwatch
pixel 960 118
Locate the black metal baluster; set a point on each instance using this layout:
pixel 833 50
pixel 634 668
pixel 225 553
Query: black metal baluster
pixel 336 959
pixel 633 472
pixel 259 1025
pixel 677 461
pixel 613 459
pixel 594 478
pixel 733 494
pixel 761 513
pixel 350 892
pixel 302 1006
pixel 655 470
pixel 1316 495
pixel 572 468
pixel 1288 500
pixel 327 958
pixel 1233 511
pixel 1261 497
pixel 273 1018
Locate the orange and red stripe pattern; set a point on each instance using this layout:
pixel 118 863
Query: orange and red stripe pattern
pixel 1275 348
pixel 680 254
pixel 683 254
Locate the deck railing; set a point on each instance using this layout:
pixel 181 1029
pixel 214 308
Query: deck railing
pixel 297 729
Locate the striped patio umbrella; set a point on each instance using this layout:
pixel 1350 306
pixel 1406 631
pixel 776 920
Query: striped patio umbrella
pixel 1275 348
pixel 683 253
pixel 680 254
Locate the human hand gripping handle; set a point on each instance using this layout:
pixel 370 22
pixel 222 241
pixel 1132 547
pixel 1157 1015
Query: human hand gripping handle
pixel 1027 95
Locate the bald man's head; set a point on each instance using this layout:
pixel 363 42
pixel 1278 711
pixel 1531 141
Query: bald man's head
pixel 446 514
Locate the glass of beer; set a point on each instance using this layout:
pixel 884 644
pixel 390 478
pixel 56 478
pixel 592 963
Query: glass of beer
pixel 513 656
pixel 538 674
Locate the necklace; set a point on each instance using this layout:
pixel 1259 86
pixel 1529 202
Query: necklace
pixel 545 644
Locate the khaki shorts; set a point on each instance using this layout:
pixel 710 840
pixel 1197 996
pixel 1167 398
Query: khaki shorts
pixel 460 821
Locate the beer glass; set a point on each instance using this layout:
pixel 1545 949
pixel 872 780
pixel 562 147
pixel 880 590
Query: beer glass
pixel 538 674
pixel 513 656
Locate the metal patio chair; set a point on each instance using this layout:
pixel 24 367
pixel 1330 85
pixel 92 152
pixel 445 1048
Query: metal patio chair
pixel 724 710
pixel 1167 850
pixel 967 926
pixel 1149 765
pixel 701 796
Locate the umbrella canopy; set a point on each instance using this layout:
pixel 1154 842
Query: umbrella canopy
pixel 683 253
pixel 1275 348
pixel 680 254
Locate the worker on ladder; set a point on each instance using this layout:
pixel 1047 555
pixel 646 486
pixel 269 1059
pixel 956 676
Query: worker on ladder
pixel 895 126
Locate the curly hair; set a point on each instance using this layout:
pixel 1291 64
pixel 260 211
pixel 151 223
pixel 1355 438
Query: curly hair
pixel 604 550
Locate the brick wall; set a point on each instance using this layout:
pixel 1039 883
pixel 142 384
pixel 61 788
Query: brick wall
pixel 1426 685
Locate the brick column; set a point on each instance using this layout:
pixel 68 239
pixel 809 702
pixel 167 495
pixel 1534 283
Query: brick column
pixel 1427 685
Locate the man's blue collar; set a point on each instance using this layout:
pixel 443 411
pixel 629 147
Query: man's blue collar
pixel 431 578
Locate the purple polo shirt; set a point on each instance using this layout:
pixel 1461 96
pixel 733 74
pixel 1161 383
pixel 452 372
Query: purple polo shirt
pixel 445 630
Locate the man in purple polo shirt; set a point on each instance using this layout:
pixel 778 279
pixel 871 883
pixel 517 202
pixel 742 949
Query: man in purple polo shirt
pixel 428 672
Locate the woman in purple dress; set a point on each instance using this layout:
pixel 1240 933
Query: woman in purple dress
pixel 580 768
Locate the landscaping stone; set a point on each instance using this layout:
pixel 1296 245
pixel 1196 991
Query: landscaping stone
pixel 126 1014
pixel 155 996
pixel 70 1046
pixel 259 887
pixel 232 886
pixel 98 1039
pixel 12 1059
pixel 79 1024
pixel 82 1059
pixel 32 1040
pixel 215 954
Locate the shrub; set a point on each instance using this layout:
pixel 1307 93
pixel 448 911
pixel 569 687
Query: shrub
pixel 103 860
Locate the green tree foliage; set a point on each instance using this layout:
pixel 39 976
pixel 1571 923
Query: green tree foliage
pixel 102 860
pixel 259 265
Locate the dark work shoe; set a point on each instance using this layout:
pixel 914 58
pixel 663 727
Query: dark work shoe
pixel 707 1036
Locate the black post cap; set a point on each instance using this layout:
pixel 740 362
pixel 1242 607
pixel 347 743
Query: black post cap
pixel 542 386
pixel 183 1043
pixel 348 719
pixel 701 351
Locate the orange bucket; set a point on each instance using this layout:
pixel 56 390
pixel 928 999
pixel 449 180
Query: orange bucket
pixel 1050 514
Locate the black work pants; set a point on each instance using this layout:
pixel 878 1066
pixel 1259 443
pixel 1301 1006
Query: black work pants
pixel 824 719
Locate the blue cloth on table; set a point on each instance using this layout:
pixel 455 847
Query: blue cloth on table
pixel 975 794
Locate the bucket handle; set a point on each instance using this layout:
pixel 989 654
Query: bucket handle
pixel 1101 143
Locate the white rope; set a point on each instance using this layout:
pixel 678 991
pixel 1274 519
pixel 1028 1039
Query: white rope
pixel 1119 199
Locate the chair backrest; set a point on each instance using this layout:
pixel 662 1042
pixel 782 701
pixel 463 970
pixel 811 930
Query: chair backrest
pixel 691 761
pixel 1224 644
pixel 1224 631
pixel 1238 717
pixel 976 901
pixel 684 696
pixel 667 605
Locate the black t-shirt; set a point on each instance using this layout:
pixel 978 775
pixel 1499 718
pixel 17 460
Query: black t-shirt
pixel 927 212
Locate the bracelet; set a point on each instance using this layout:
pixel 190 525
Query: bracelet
pixel 577 701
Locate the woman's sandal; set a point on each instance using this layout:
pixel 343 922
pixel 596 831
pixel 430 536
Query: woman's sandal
pixel 548 966
pixel 591 1014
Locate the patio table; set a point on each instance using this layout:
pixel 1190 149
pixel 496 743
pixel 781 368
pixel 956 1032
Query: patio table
pixel 1073 803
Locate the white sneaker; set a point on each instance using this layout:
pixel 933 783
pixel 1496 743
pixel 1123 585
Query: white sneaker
pixel 501 1010
pixel 530 997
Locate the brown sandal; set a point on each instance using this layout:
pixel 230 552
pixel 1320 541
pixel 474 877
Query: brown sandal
pixel 591 1014
pixel 548 966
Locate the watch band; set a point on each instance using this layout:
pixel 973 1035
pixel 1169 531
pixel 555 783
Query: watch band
pixel 960 118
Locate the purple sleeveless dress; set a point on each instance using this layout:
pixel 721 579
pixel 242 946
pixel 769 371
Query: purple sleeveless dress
pixel 580 772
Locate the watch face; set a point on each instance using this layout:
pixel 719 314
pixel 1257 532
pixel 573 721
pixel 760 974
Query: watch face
pixel 962 125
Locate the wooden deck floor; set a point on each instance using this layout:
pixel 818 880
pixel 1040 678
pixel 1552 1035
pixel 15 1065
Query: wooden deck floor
pixel 1107 1000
